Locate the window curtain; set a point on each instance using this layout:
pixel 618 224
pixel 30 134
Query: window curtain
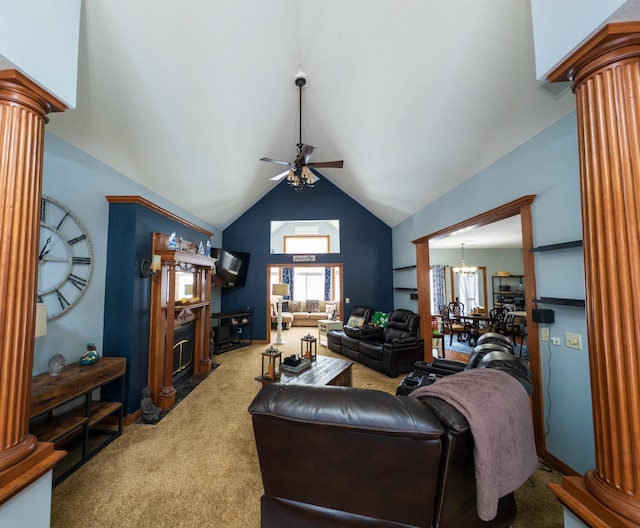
pixel 327 284
pixel 469 292
pixel 438 296
pixel 287 278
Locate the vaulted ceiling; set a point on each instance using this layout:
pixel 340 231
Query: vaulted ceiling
pixel 415 96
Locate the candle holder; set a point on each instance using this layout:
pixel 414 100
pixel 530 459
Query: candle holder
pixel 309 347
pixel 271 365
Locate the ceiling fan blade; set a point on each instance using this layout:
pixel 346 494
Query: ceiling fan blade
pixel 327 164
pixel 279 176
pixel 305 152
pixel 287 163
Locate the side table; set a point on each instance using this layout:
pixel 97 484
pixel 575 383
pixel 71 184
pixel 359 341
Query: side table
pixel 324 325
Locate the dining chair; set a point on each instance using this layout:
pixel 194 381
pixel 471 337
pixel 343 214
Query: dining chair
pixel 451 326
pixel 503 322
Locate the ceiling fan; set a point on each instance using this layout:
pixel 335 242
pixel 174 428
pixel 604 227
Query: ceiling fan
pixel 301 172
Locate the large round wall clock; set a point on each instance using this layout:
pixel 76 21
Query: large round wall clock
pixel 65 258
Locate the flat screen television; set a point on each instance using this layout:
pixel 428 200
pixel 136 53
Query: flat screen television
pixel 231 267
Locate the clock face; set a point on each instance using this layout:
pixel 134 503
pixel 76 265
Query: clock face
pixel 65 258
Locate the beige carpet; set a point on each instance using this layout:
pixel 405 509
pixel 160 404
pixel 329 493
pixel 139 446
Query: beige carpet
pixel 198 467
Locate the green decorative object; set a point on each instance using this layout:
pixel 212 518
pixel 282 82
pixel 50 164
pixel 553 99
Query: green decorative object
pixel 380 319
pixel 90 356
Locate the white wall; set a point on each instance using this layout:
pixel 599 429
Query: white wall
pixel 559 26
pixel 546 166
pixel 40 38
pixel 30 507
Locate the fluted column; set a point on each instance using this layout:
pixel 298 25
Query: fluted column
pixel 606 80
pixel 23 110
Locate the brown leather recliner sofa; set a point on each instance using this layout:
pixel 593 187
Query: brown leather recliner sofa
pixel 339 456
pixel 391 350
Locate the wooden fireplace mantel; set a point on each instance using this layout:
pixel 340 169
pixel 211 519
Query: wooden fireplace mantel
pixel 168 312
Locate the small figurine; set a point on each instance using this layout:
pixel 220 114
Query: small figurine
pixel 90 356
pixel 208 253
pixel 56 363
pixel 150 413
pixel 201 248
pixel 172 243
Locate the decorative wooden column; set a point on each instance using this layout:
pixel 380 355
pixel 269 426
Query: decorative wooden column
pixel 23 110
pixel 606 80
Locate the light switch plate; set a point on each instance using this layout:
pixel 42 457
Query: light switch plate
pixel 544 334
pixel 572 340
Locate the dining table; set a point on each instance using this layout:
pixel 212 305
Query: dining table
pixel 475 325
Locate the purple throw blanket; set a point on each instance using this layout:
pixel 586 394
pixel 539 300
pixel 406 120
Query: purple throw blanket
pixel 497 408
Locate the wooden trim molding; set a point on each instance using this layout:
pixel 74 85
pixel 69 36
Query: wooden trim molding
pixel 605 73
pixel 160 210
pixel 522 207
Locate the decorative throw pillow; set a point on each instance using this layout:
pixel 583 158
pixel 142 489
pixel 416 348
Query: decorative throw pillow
pixel 295 306
pixel 380 319
pixel 313 306
pixel 285 306
pixel 355 321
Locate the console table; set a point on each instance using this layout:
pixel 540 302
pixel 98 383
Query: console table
pixel 233 330
pixel 81 415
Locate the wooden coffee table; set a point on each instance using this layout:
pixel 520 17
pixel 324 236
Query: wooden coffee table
pixel 323 371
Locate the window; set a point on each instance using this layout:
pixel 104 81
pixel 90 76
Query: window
pixel 308 283
pixel 306 244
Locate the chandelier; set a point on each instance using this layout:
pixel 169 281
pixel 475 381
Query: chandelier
pixel 464 270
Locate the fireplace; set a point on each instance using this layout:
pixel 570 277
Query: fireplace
pixel 183 352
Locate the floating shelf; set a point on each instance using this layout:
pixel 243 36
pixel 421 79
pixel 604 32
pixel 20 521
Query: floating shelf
pixel 580 303
pixel 555 247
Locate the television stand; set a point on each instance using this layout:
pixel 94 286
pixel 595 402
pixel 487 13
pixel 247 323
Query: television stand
pixel 230 330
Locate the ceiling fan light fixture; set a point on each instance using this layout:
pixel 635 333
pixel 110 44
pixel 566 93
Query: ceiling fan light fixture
pixel 299 174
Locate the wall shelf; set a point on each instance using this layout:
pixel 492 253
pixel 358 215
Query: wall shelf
pixel 404 268
pixel 556 247
pixel 580 303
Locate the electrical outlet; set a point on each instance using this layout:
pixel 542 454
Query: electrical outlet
pixel 555 341
pixel 544 334
pixel 572 340
pixel 346 300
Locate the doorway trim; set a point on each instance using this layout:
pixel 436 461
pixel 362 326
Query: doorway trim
pixel 309 265
pixel 521 206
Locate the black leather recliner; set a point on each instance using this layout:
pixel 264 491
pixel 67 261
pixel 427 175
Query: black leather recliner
pixel 392 350
pixel 339 456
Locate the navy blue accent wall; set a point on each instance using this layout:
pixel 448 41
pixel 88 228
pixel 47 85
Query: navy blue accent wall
pixel 128 295
pixel 365 248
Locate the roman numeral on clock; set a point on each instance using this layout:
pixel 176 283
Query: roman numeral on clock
pixel 63 302
pixel 81 260
pixel 77 239
pixel 61 221
pixel 78 282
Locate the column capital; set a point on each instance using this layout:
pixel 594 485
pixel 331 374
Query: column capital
pixel 20 88
pixel 607 45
